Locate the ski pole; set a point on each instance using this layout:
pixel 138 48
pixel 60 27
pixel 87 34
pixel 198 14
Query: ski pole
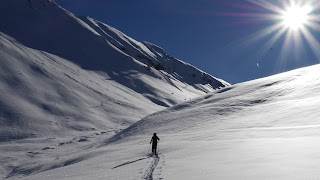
pixel 149 148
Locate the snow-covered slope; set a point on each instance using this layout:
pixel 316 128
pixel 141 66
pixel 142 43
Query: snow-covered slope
pixel 284 100
pixel 44 95
pixel 96 46
pixel 154 56
pixel 263 129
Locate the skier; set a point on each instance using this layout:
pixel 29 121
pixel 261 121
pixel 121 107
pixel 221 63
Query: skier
pixel 154 141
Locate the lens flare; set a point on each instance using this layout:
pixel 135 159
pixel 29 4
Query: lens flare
pixel 294 23
pixel 295 17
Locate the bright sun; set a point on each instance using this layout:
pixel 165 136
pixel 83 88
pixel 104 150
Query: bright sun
pixel 296 23
pixel 295 17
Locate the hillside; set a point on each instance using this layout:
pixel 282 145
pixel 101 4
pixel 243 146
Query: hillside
pixel 44 95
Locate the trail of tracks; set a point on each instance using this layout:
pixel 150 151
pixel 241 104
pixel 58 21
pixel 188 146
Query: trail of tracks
pixel 149 172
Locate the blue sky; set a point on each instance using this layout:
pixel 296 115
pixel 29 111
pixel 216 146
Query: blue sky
pixel 217 36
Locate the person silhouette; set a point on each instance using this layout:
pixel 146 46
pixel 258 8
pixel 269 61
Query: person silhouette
pixel 154 141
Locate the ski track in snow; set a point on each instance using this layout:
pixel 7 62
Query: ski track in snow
pixel 150 170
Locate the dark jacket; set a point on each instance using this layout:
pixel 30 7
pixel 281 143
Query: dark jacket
pixel 154 141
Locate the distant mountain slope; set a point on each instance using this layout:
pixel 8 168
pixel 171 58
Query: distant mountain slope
pixel 154 56
pixel 96 46
pixel 44 95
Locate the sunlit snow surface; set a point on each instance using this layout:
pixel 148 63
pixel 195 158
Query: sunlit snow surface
pixel 263 129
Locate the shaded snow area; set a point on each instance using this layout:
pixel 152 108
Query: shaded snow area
pixel 42 93
pixel 263 129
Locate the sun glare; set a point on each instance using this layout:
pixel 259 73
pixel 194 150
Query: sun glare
pixel 294 23
pixel 295 17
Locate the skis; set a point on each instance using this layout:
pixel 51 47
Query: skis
pixel 153 155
